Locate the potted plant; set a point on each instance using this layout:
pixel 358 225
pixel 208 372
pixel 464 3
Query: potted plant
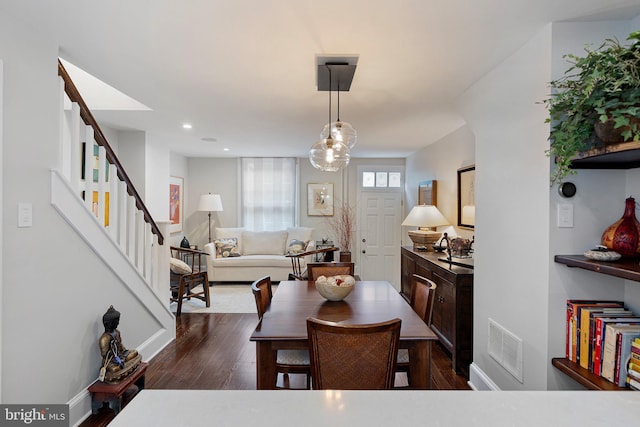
pixel 598 93
pixel 342 226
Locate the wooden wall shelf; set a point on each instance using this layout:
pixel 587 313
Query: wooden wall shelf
pixel 624 268
pixel 583 376
pixel 625 155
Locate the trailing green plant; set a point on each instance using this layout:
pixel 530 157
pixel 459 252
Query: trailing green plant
pixel 602 85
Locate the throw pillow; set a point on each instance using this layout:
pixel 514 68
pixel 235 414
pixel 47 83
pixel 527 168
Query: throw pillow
pixel 226 248
pixel 179 267
pixel 296 247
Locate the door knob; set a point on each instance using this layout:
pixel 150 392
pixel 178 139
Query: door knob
pixel 364 252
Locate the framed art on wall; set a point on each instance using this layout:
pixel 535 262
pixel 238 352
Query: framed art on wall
pixel 320 199
pixel 176 203
pixel 427 193
pixel 467 196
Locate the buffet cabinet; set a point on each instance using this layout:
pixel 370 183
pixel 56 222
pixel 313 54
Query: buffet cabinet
pixel 452 319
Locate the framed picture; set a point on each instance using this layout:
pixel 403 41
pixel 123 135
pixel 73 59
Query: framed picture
pixel 96 163
pixel 176 203
pixel 467 196
pixel 320 199
pixel 427 194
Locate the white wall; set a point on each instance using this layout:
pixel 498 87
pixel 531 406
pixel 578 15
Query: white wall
pixel 132 147
pixel 512 199
pixel 440 161
pixel 54 289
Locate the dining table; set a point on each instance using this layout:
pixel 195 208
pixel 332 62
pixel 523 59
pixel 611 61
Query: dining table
pixel 284 324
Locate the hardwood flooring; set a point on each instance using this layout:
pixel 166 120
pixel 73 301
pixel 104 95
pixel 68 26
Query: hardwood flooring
pixel 213 352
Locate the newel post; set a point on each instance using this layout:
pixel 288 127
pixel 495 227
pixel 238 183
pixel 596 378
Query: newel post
pixel 162 255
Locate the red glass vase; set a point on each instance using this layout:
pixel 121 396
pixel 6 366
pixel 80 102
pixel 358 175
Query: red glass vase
pixel 623 236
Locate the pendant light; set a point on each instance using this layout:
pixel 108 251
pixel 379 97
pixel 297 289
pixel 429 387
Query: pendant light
pixel 340 131
pixel 329 154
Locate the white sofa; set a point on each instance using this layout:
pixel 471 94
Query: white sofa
pixel 255 255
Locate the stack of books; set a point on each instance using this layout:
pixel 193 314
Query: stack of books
pixel 601 336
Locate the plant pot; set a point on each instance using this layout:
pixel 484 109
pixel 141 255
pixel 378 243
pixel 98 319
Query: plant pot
pixel 610 135
pixel 345 256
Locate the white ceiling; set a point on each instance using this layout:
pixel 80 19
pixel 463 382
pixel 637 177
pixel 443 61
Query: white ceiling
pixel 243 71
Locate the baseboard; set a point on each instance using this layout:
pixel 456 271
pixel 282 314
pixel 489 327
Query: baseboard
pixel 479 381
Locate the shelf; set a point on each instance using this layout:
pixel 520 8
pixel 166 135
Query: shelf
pixel 584 377
pixel 624 268
pixel 624 155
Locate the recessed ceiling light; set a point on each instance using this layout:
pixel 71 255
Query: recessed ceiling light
pixel 225 149
pixel 209 139
pixel 186 126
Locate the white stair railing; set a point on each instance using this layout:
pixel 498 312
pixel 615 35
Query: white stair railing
pixel 92 168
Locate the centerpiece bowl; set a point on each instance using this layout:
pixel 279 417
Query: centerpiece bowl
pixel 335 288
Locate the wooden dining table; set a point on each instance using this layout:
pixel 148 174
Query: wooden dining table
pixel 283 325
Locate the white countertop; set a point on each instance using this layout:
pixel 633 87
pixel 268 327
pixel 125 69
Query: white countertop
pixel 380 408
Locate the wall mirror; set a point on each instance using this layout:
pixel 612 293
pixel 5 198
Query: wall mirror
pixel 467 196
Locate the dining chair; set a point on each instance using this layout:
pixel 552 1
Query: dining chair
pixel 353 357
pixel 317 269
pixel 421 300
pixel 287 361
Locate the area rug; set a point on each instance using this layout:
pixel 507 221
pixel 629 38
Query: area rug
pixel 236 298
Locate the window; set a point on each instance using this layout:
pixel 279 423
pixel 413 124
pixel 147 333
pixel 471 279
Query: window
pixel 268 193
pixel 372 179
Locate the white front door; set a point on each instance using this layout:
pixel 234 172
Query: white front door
pixel 379 236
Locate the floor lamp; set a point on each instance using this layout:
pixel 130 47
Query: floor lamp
pixel 210 203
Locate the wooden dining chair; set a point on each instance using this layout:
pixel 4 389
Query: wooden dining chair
pixel 317 269
pixel 287 361
pixel 353 357
pixel 421 300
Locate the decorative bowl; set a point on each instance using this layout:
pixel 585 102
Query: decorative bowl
pixel 602 255
pixel 335 288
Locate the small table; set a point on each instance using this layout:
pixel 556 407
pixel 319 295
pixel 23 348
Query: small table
pixel 112 392
pixel 284 326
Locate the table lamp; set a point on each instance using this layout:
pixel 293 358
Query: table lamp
pixel 426 218
pixel 210 203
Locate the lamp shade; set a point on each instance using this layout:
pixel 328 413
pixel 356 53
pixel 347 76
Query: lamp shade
pixel 210 203
pixel 426 216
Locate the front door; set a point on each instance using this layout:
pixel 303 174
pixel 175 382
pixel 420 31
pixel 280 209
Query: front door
pixel 380 235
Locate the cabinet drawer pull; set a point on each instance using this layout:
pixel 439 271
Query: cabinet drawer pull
pixel 441 299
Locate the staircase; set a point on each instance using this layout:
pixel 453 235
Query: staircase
pixel 92 191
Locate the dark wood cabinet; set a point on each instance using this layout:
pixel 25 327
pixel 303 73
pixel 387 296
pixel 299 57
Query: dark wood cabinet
pixel 452 317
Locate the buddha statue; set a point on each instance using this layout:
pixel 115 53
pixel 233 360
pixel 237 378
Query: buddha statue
pixel 117 361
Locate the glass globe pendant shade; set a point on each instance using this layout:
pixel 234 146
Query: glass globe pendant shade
pixel 329 155
pixel 341 132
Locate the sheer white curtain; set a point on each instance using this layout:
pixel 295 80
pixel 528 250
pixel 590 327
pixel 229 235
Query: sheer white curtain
pixel 269 193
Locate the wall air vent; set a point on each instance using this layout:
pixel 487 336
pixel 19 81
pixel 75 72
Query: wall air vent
pixel 506 349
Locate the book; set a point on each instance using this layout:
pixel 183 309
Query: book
pixel 588 330
pixel 623 355
pixel 586 316
pixel 601 324
pixel 634 384
pixel 571 327
pixel 610 346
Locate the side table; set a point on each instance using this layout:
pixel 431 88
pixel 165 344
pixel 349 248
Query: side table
pixel 112 392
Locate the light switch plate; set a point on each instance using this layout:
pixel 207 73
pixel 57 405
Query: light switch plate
pixel 565 215
pixel 25 214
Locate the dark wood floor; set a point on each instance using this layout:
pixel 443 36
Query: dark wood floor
pixel 213 352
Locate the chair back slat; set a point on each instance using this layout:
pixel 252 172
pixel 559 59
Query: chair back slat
pixel 317 269
pixel 262 293
pixel 423 293
pixel 353 357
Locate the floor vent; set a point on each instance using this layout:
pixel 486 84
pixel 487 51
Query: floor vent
pixel 506 349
